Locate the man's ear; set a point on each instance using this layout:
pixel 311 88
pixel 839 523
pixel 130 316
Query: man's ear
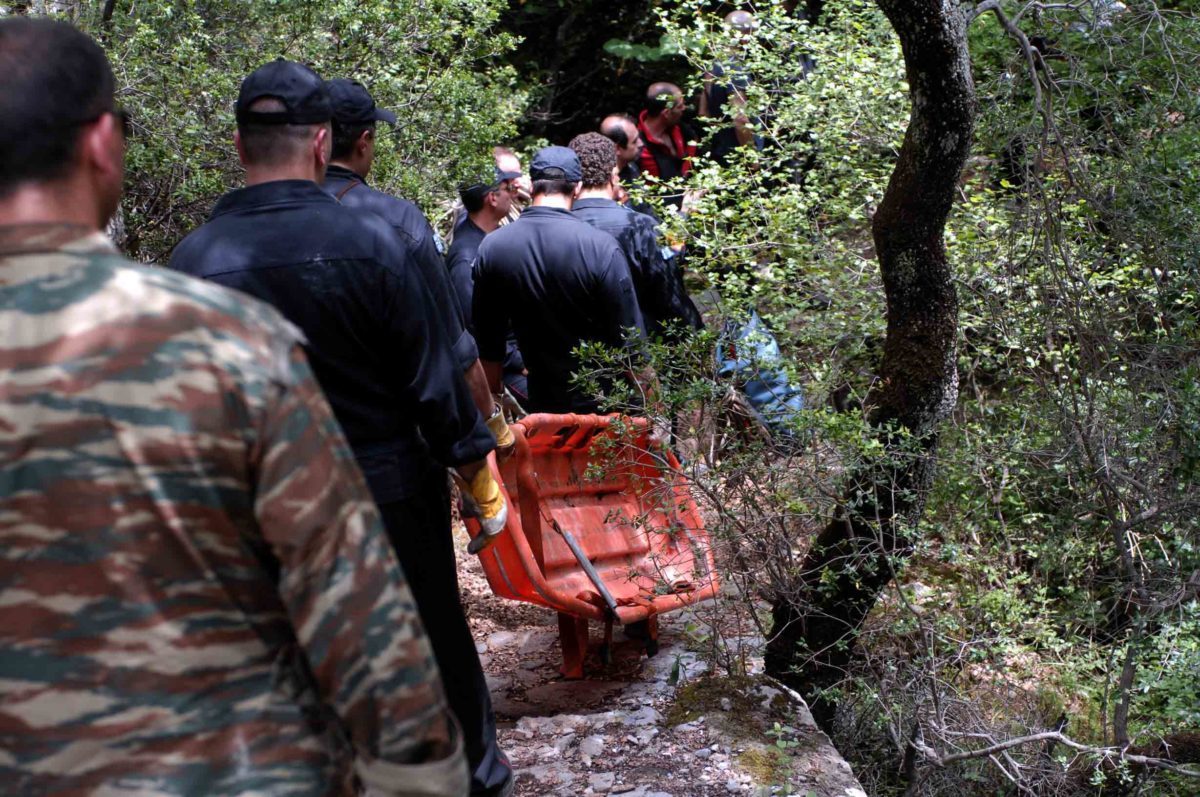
pixel 322 146
pixel 102 146
pixel 364 141
pixel 241 149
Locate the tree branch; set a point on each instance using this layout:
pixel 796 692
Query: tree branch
pixel 1033 56
pixel 1119 753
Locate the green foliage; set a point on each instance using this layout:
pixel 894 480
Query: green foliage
pixel 665 48
pixel 1063 524
pixel 437 63
pixel 1167 685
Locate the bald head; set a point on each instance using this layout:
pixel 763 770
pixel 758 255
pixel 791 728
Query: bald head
pixel 665 100
pixel 623 132
pixel 741 22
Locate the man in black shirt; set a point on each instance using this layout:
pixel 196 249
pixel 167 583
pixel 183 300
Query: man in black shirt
pixel 486 203
pixel 378 349
pixel 661 294
pixel 558 282
pixel 355 116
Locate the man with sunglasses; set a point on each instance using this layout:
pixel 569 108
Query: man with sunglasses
pixel 196 592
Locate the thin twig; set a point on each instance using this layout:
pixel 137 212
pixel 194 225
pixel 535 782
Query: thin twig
pixel 1106 752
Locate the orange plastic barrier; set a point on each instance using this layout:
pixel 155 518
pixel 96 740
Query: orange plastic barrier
pixel 592 480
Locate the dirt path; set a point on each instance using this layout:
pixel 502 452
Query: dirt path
pixel 625 729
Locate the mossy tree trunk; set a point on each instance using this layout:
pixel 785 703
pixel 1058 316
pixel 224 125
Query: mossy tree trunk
pixel 855 555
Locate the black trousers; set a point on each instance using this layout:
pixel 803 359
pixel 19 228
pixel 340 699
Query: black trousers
pixel 419 528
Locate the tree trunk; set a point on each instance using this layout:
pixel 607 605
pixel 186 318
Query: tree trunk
pixel 854 557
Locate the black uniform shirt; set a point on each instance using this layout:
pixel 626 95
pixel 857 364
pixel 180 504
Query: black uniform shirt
pixel 460 263
pixel 460 260
pixel 344 278
pixel 413 228
pixel 560 282
pixel 661 295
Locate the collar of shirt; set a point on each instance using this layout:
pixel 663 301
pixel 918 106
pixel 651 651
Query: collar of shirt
pixel 595 202
pixel 535 211
pixel 466 225
pixel 276 192
pixel 23 239
pixel 338 172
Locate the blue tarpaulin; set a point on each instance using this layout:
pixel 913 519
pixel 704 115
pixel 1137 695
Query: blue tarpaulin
pixel 749 355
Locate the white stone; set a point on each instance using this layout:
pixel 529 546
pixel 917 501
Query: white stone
pixel 602 781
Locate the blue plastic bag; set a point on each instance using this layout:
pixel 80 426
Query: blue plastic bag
pixel 749 355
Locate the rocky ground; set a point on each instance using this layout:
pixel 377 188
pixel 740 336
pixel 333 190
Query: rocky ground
pixel 640 727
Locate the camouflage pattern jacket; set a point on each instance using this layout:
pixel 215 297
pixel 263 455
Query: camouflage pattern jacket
pixel 196 593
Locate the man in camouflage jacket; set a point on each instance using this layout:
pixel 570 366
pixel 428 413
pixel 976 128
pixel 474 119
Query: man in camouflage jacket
pixel 196 593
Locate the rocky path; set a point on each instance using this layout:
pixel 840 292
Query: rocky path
pixel 640 727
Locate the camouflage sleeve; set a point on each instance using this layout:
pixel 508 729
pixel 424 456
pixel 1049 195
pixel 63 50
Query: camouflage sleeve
pixel 349 603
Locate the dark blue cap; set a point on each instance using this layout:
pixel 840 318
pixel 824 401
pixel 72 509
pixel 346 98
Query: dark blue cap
pixel 302 92
pixel 556 163
pixel 353 105
pixel 485 185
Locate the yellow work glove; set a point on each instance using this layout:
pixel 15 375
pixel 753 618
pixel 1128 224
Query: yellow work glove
pixel 505 442
pixel 489 501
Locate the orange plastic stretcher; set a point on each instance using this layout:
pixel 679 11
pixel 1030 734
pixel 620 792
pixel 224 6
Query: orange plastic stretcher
pixel 599 528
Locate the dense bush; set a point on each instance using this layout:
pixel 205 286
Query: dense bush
pixel 1056 575
pixel 437 63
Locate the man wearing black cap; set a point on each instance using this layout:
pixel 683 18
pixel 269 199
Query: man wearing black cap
pixel 487 202
pixel 355 116
pixel 381 355
pixel 558 282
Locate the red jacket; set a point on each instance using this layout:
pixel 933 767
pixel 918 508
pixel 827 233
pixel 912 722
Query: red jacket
pixel 657 160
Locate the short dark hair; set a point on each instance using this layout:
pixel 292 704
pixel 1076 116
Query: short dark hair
pixel 272 145
pixel 55 80
pixel 473 200
pixel 552 187
pixel 345 136
pixel 597 158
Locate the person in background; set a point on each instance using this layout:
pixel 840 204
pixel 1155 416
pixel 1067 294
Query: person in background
pixel 666 152
pixel 725 86
pixel 486 203
pixel 622 130
pixel 558 283
pixel 196 593
pixel 662 298
pixel 379 350
pixel 355 117
pixel 508 163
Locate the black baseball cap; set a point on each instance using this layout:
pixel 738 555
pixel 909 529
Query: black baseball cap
pixel 556 163
pixel 301 90
pixel 353 105
pixel 482 186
